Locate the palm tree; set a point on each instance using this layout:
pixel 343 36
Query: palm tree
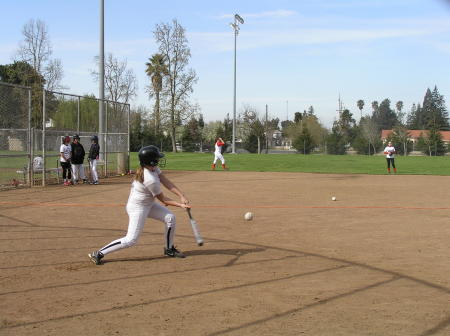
pixel 375 106
pixel 156 70
pixel 399 106
pixel 400 114
pixel 360 104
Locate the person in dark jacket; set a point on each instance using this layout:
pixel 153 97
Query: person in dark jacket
pixel 93 157
pixel 77 160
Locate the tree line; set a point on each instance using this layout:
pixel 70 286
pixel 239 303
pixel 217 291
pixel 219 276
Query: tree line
pixel 174 121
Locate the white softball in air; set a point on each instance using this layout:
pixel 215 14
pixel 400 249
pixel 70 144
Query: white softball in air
pixel 248 216
pixel 333 198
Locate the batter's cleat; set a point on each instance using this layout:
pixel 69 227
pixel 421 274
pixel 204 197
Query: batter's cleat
pixel 173 253
pixel 95 182
pixel 96 257
pixel 213 167
pixel 85 181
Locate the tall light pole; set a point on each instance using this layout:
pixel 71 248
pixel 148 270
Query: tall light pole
pixel 101 92
pixel 237 20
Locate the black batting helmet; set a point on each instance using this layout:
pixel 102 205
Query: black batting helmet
pixel 150 156
pixel 76 136
pixel 94 138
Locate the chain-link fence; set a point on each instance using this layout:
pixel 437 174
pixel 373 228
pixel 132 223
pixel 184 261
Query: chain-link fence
pixel 15 125
pixel 32 126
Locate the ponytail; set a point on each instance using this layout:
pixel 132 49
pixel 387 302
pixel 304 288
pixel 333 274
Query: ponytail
pixel 139 176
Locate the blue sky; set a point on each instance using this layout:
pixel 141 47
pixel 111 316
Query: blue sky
pixel 291 53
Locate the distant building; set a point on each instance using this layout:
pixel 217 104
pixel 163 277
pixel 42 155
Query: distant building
pixel 414 135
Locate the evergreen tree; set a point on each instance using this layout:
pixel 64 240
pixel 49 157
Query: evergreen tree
pixel 22 73
pixel 298 117
pixel 432 114
pixel 191 136
pixel 347 125
pixel 384 116
pixel 431 143
pixel 336 141
pixel 304 143
pixel 253 143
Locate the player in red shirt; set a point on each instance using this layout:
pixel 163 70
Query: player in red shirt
pixel 218 154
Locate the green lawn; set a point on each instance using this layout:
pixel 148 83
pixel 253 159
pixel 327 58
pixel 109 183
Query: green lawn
pixel 340 164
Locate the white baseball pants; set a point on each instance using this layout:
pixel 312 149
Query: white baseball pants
pixel 137 216
pixel 218 157
pixel 94 174
pixel 78 172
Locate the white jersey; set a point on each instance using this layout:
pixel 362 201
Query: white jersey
pixel 218 147
pixel 390 150
pixel 66 150
pixel 145 193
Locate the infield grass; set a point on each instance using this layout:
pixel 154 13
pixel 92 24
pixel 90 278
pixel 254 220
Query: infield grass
pixel 331 164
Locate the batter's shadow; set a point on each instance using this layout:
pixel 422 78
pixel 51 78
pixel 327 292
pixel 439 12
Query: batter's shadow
pixel 137 259
pixel 236 253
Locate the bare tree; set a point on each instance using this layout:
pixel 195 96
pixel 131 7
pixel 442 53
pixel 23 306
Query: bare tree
pixel 120 82
pixel 36 50
pixel 178 84
pixel 252 123
pixel 370 132
pixel 53 75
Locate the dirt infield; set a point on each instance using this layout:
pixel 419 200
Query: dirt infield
pixel 374 262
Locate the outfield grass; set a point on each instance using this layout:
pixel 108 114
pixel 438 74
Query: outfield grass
pixel 339 164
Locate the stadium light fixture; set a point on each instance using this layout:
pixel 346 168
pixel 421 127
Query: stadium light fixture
pixel 237 20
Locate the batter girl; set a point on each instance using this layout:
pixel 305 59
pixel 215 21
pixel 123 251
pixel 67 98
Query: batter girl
pixel 141 205
pixel 218 154
pixel 390 152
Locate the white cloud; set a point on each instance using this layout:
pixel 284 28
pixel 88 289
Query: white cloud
pixel 220 42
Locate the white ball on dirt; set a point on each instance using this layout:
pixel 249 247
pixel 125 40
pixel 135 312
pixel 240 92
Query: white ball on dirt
pixel 248 216
pixel 333 198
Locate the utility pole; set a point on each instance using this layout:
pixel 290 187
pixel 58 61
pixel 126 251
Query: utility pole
pixel 340 106
pixel 101 90
pixel 267 129
pixel 237 20
pixel 287 109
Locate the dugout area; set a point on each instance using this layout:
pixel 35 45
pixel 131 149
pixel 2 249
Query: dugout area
pixel 374 262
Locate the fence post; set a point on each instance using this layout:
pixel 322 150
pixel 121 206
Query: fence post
pixel 78 115
pixel 105 136
pixel 30 143
pixel 128 145
pixel 43 139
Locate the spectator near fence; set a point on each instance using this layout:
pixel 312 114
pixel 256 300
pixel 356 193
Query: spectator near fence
pixel 94 153
pixel 66 153
pixel 77 160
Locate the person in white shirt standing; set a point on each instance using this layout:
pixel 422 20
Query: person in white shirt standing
pixel 141 205
pixel 65 155
pixel 218 154
pixel 390 152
